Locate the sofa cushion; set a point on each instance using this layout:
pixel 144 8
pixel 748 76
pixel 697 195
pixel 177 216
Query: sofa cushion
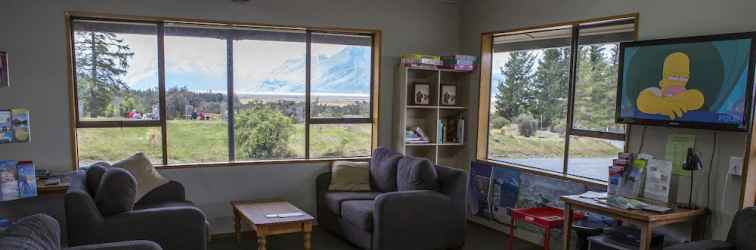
pixel 167 204
pixel 147 177
pixel 359 213
pixel 38 231
pixel 334 200
pixel 383 169
pixel 350 176
pixel 416 174
pixel 94 175
pixel 117 192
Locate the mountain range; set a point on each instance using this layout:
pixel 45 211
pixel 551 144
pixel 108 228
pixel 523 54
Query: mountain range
pixel 345 72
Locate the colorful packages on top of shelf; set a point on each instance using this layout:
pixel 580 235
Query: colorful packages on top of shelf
pixel 459 62
pixel 420 60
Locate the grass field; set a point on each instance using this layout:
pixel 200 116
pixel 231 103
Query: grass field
pixel 207 141
pixel 506 142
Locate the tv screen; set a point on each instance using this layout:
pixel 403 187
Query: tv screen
pixel 697 82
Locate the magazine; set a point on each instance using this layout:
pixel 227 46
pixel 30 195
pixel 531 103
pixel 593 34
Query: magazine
pixel 27 179
pixel 20 122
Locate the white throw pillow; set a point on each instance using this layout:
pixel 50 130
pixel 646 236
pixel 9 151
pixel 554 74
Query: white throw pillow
pixel 147 177
pixel 350 176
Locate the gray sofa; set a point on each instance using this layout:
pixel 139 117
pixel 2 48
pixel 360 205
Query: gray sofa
pixel 163 215
pixel 42 232
pixel 409 207
pixel 740 237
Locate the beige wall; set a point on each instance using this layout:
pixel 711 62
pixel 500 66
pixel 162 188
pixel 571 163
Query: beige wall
pixel 658 19
pixel 32 32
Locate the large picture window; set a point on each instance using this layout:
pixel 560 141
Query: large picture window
pixel 214 93
pixel 551 97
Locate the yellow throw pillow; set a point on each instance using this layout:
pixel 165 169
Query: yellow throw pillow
pixel 147 177
pixel 350 176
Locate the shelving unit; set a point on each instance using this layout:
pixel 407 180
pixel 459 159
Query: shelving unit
pixel 407 114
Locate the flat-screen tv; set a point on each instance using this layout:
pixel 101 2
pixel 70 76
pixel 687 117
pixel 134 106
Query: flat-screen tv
pixel 694 82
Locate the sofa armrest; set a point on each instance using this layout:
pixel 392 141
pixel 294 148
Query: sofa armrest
pixel 121 245
pixel 703 245
pixel 171 191
pixel 415 220
pixel 81 211
pixel 170 227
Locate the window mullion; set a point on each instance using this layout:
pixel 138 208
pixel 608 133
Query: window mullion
pixel 161 90
pixel 571 93
pixel 308 69
pixel 230 96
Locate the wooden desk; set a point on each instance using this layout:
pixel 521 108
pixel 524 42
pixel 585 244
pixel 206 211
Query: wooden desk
pixel 254 214
pixel 646 220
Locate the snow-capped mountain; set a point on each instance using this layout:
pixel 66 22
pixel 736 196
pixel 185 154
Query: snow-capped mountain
pixel 344 72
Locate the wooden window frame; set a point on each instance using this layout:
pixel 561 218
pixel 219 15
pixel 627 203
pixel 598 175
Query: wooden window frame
pixel 484 105
pixel 76 123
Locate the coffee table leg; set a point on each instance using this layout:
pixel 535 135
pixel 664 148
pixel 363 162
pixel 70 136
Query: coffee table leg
pixel 307 229
pixel 261 240
pixel 237 226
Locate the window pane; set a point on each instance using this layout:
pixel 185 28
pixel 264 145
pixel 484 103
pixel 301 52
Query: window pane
pixel 269 94
pixel 591 157
pixel 196 94
pixel 115 144
pixel 340 76
pixel 529 100
pixel 116 70
pixel 339 140
pixel 596 88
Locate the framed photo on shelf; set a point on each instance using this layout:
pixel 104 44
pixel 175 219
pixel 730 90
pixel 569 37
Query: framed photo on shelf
pixel 448 94
pixel 4 74
pixel 420 93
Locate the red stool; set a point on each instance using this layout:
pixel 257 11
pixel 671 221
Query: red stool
pixel 546 218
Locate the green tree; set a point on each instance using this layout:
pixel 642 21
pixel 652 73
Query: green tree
pixel 515 94
pixel 551 86
pixel 262 133
pixel 101 62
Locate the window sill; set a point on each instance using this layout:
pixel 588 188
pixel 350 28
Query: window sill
pixel 256 163
pixel 546 173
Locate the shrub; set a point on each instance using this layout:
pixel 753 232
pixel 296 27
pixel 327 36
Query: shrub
pixel 526 125
pixel 499 122
pixel 262 133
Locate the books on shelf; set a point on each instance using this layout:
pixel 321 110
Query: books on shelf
pixel 451 130
pixel 459 62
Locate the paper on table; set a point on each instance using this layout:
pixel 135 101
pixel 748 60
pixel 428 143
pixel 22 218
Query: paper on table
pixel 676 150
pixel 658 179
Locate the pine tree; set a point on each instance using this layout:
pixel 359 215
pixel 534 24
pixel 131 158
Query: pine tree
pixel 101 62
pixel 551 86
pixel 515 93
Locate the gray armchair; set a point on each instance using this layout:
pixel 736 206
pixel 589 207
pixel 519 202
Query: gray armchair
pixel 740 237
pixel 42 232
pixel 392 219
pixel 162 216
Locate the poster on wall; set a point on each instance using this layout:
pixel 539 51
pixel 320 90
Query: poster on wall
pixel 20 123
pixel 537 191
pixel 480 183
pixel 4 73
pixel 6 128
pixel 17 180
pixel 504 191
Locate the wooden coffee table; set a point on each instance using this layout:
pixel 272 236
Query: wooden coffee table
pixel 254 213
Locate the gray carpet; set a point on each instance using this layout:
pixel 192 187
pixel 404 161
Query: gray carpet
pixel 478 238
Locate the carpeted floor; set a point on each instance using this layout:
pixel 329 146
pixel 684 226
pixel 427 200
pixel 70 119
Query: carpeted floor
pixel 478 238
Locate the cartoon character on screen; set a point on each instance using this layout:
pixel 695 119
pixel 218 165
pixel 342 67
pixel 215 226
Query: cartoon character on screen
pixel 671 99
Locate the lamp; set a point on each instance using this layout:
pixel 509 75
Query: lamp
pixel 692 163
